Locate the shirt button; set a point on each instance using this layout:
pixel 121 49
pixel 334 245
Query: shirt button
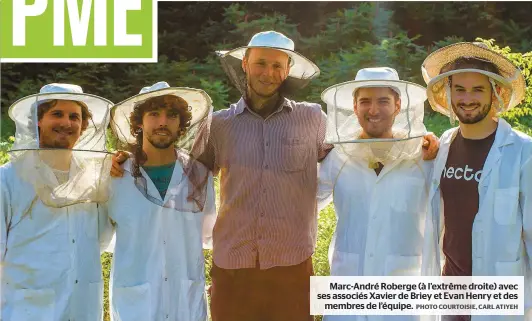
pixel 76 281
pixel 73 241
pixel 166 279
pixel 371 255
pixel 164 242
pixel 266 166
pixel 267 144
pixel 264 190
pixel 261 214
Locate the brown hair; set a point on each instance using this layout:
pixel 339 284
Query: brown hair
pixel 169 102
pixel 85 112
pixel 470 63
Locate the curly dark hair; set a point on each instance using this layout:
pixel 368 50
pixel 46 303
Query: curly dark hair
pixel 169 102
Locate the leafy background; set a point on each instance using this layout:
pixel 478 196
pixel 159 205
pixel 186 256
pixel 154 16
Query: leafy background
pixel 340 37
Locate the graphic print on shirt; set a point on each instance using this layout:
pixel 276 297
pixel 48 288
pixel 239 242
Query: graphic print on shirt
pixel 462 173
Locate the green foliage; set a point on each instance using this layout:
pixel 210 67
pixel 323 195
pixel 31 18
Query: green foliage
pixel 7 126
pixel 218 91
pixel 437 123
pixel 521 116
pixel 5 146
pixel 349 28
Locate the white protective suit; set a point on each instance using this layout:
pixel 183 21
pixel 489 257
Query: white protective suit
pixel 380 218
pixel 52 230
pixel 50 264
pixel 502 229
pixel 158 263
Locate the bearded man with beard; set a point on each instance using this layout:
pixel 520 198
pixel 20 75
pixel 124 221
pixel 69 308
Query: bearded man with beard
pixel 265 147
pixel 52 226
pixel 162 208
pixel 481 195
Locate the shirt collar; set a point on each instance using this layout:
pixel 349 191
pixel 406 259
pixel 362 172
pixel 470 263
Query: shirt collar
pixel 241 105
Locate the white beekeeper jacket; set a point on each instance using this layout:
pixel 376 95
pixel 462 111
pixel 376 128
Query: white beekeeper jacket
pixel 380 219
pixel 158 262
pixel 502 229
pixel 50 267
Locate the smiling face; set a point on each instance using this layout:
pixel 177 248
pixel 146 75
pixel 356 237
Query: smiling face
pixel 265 69
pixel 376 109
pixel 471 96
pixel 161 120
pixel 161 127
pixel 61 123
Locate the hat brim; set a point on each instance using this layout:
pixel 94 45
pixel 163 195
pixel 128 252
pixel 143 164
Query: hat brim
pixel 341 95
pixel 98 106
pixel 300 68
pixel 198 100
pixel 433 64
pixel 437 93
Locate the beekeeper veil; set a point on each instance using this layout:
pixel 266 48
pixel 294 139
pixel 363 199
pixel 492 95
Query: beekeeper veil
pixel 507 81
pixel 302 70
pixel 64 168
pixel 187 190
pixel 349 135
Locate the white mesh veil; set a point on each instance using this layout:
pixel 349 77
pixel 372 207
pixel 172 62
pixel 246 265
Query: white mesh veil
pixel 187 194
pixel 344 129
pixel 62 177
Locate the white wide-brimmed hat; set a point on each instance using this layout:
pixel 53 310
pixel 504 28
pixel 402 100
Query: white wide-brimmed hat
pixel 342 121
pixel 199 104
pixel 341 95
pixel 302 70
pixel 24 113
pixel 343 127
pixel 437 68
pixel 88 176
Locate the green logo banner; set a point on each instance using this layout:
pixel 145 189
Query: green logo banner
pixel 78 31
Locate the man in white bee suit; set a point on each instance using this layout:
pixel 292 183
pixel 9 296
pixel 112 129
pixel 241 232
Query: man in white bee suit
pixel 376 177
pixel 52 224
pixel 481 189
pixel 162 208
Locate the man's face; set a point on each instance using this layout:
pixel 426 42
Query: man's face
pixel 376 109
pixel 471 96
pixel 266 69
pixel 60 126
pixel 161 127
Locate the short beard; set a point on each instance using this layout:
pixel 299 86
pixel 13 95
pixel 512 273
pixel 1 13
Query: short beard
pixel 164 145
pixel 485 110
